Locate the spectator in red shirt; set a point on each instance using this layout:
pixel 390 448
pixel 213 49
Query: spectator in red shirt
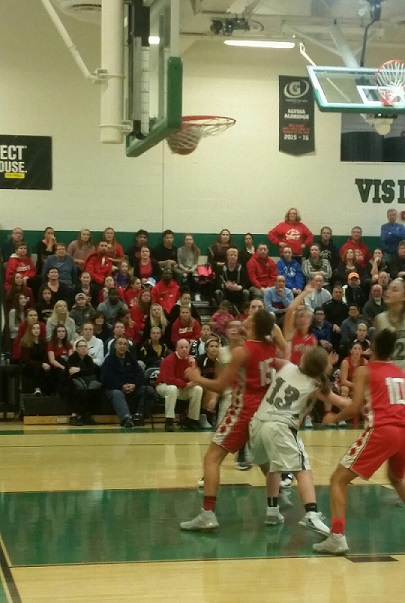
pixel 32 318
pixel 20 262
pixel 146 268
pixel 292 233
pixel 173 385
pixel 17 286
pixel 115 250
pixel 133 291
pixel 140 311
pixel 166 292
pixel 185 327
pixel 262 271
pixel 98 265
pixel 355 242
pixel 221 318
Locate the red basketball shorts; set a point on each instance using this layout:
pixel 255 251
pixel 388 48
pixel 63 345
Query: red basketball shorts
pixel 233 431
pixel 373 448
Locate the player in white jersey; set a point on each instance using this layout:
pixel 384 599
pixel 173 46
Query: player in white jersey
pixel 274 436
pixel 394 318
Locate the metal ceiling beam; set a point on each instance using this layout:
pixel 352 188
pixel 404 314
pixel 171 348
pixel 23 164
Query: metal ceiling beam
pixel 344 49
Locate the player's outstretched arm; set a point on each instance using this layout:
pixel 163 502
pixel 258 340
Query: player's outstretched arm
pixel 225 378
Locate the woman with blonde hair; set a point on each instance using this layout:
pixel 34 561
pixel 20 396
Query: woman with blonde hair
pixel 187 263
pixel 152 351
pixel 60 315
pixel 274 436
pixel 157 318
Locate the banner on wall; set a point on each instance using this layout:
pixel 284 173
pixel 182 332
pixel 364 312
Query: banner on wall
pixel 296 115
pixel 26 162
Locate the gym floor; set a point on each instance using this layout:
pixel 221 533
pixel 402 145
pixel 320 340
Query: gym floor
pixel 92 515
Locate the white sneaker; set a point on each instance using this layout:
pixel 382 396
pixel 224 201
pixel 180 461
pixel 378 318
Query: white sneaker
pixel 200 483
pixel 308 422
pixel 313 521
pixel 336 544
pixel 37 391
pixel 287 481
pixel 197 297
pixel 273 516
pixel 284 500
pixel 243 466
pixel 204 423
pixel 341 424
pixel 206 520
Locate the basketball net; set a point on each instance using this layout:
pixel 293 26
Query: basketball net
pixel 195 127
pixel 390 79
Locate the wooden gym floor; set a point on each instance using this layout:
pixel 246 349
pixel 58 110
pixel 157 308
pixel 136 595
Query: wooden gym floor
pixel 92 515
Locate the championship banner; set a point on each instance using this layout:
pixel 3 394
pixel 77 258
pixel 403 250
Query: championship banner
pixel 26 162
pixel 296 116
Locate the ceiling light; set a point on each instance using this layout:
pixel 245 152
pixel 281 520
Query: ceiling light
pixel 260 43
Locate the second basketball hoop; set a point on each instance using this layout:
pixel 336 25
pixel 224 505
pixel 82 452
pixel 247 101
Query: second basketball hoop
pixel 390 79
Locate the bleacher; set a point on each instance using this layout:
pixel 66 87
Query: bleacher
pixel 51 410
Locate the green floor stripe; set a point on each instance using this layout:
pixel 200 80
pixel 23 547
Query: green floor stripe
pixel 52 528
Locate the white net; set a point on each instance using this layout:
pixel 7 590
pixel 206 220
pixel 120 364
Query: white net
pixel 194 128
pixel 390 78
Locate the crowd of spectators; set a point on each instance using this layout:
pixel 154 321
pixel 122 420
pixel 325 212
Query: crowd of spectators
pixel 85 299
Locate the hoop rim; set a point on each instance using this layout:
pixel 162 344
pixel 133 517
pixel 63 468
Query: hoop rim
pixel 386 63
pixel 388 96
pixel 207 118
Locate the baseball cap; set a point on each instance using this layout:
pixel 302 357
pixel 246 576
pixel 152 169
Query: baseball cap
pixel 80 296
pixel 150 282
pixel 353 275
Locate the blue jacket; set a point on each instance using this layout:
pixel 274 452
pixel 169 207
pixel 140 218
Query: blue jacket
pixel 115 374
pixel 275 302
pixel 67 269
pixel 292 271
pixel 323 332
pixel 391 235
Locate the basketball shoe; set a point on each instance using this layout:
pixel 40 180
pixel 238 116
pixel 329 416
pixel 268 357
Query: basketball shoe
pixel 313 521
pixel 206 520
pixel 335 544
pixel 273 516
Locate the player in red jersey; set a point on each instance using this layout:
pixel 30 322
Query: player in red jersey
pixel 297 327
pixel 250 372
pixel 383 385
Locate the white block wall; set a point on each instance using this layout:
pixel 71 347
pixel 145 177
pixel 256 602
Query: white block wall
pixel 238 180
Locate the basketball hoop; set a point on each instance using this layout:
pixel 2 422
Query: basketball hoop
pixel 390 79
pixel 194 128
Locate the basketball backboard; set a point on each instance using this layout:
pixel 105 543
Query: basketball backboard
pixel 155 73
pixel 347 90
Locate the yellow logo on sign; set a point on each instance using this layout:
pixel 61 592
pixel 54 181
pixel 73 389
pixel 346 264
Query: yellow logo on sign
pixel 19 175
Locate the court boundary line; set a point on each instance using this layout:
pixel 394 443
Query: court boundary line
pixel 199 559
pixel 8 581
